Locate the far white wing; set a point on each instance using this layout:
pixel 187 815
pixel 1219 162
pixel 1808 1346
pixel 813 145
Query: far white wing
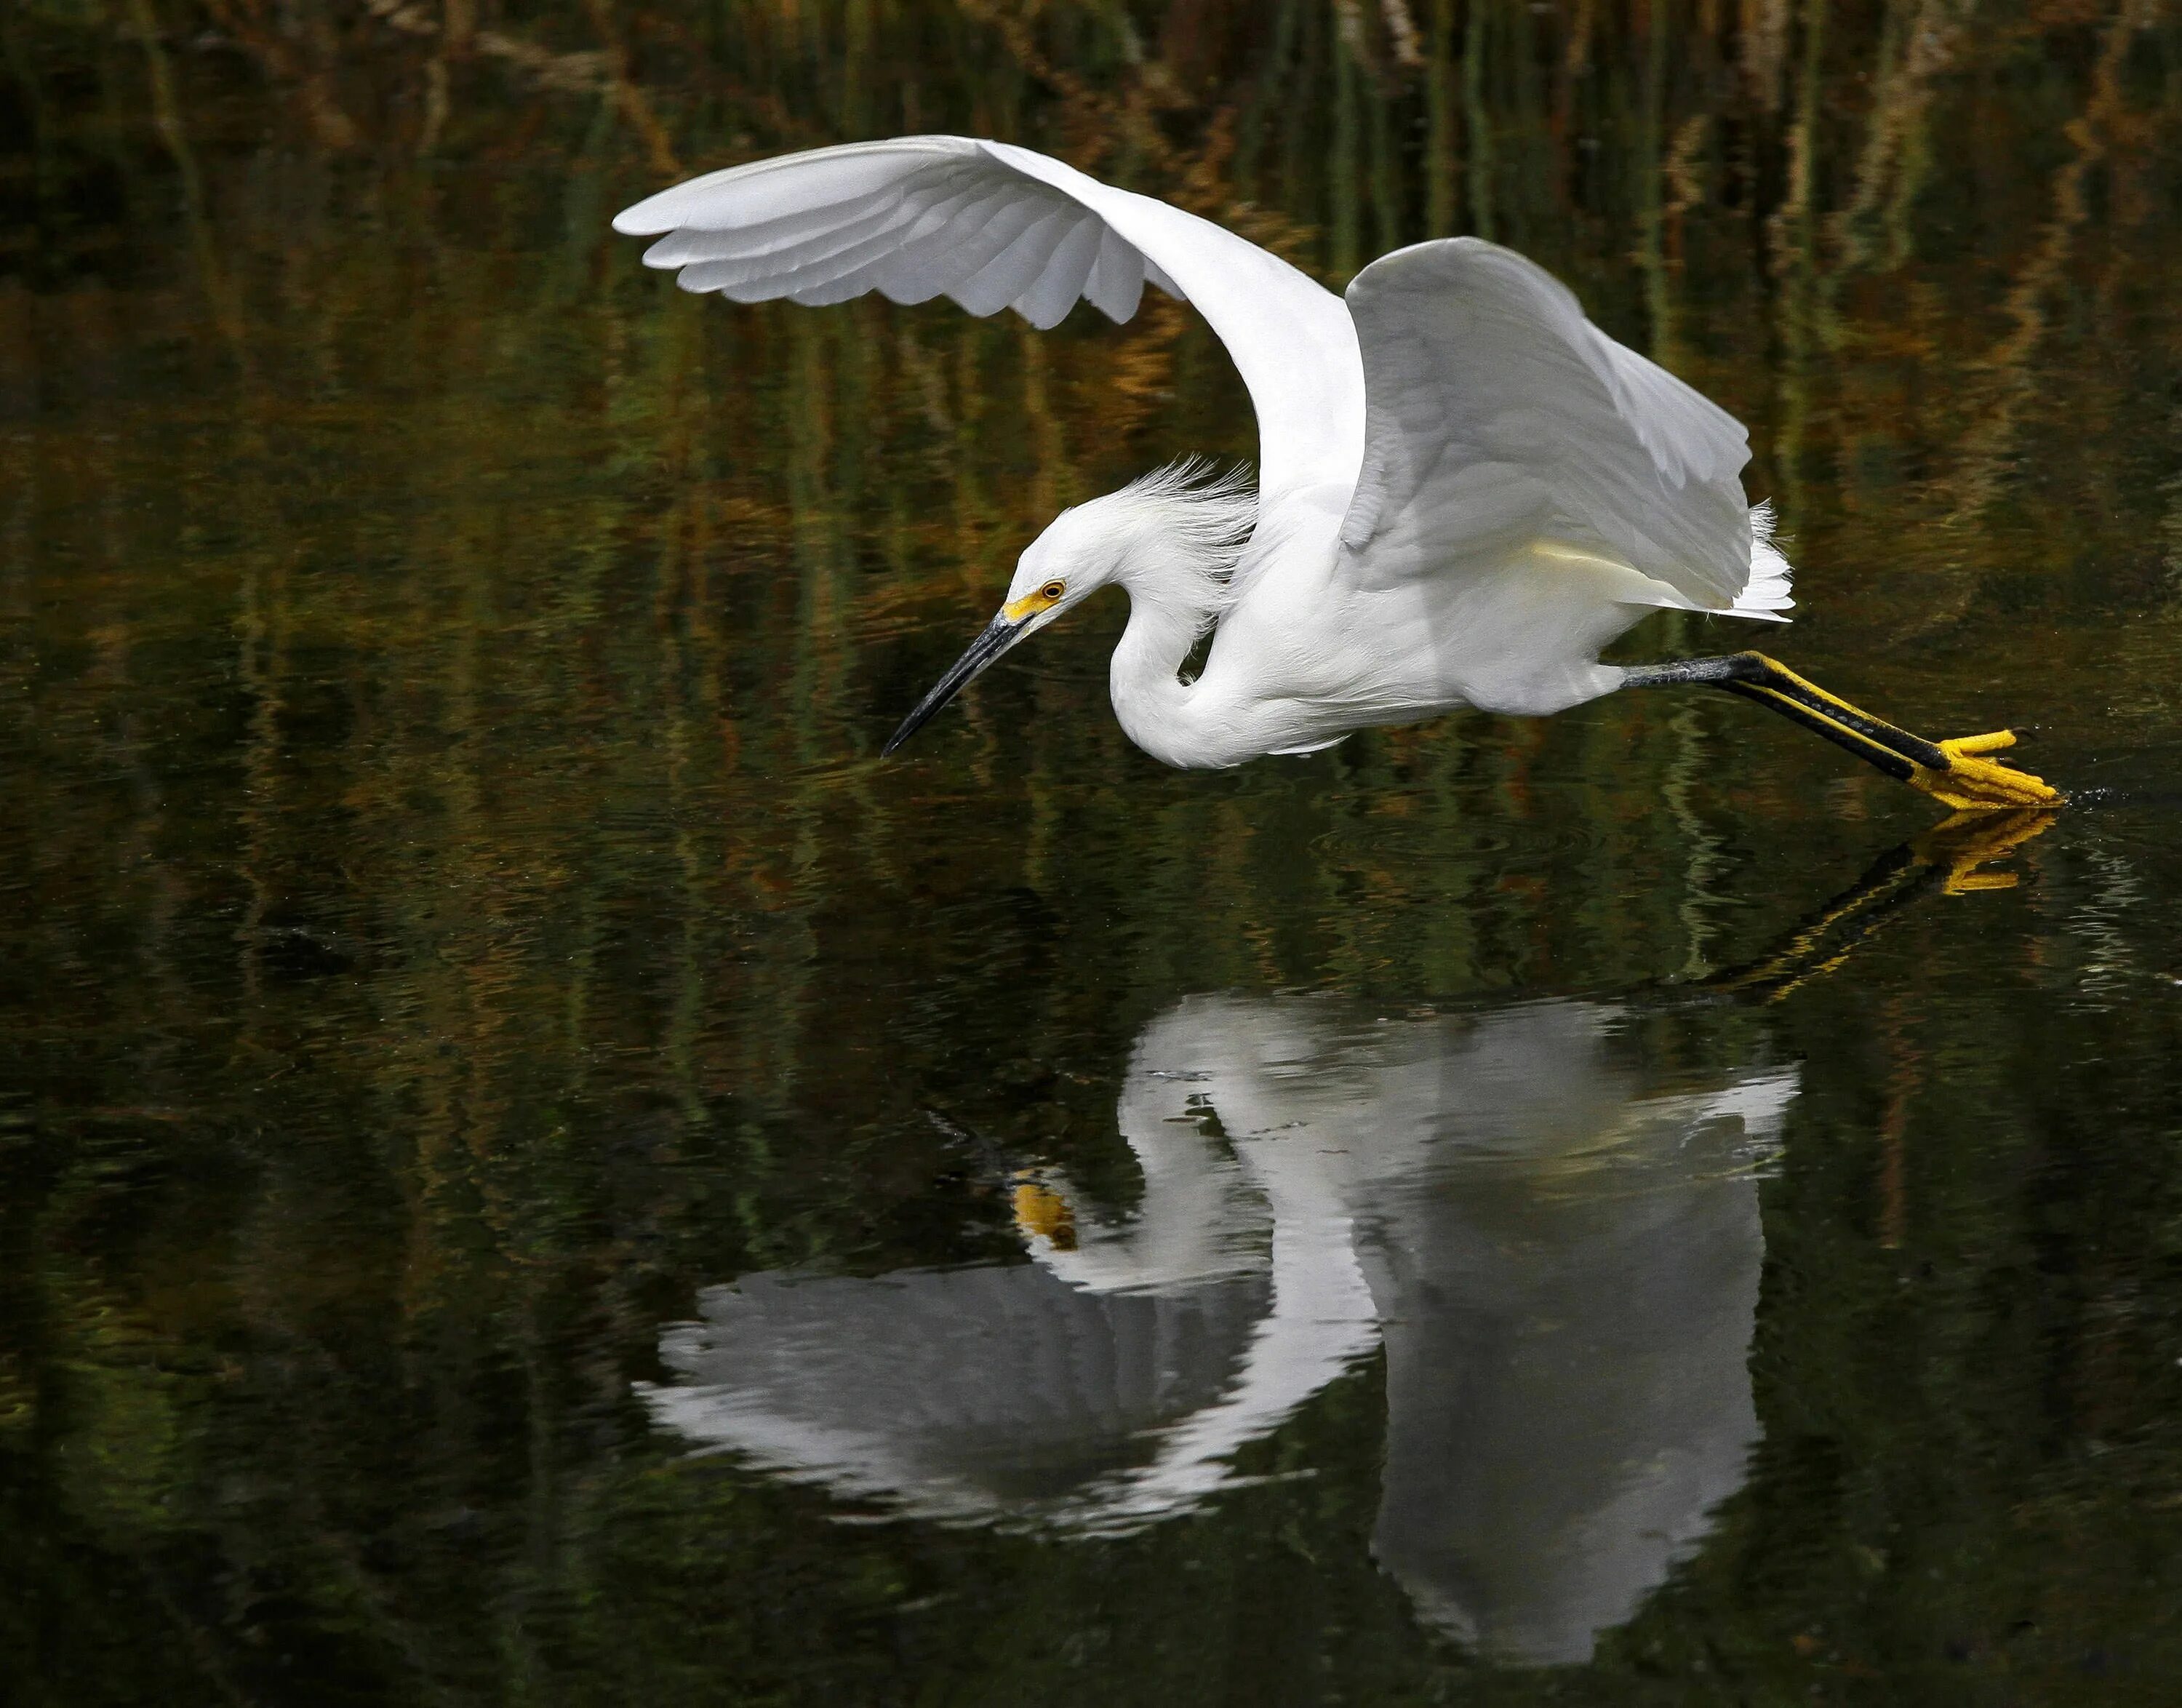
pixel 996 226
pixel 1497 414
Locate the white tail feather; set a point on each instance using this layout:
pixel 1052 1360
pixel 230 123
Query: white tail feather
pixel 1764 596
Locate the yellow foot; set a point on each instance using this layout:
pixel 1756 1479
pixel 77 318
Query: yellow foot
pixel 1970 841
pixel 1975 784
pixel 1042 1213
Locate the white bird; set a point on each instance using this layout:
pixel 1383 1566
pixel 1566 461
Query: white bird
pixel 1465 490
pixel 1556 1255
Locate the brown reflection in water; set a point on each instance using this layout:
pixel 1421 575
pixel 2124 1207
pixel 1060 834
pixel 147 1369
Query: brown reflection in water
pixel 450 909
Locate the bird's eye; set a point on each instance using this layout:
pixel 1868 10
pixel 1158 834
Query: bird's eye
pixel 1053 589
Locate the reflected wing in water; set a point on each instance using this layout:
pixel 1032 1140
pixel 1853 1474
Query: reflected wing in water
pixel 1568 1395
pixel 1560 1258
pixel 949 1394
pixel 1562 1262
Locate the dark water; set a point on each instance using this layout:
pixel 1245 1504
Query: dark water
pixel 535 1169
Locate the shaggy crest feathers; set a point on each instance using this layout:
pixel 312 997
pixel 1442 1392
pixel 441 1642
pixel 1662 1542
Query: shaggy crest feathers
pixel 1201 518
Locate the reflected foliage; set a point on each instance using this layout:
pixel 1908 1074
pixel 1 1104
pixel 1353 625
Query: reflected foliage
pixel 453 911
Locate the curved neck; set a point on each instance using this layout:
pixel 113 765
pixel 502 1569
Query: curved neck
pixel 1149 698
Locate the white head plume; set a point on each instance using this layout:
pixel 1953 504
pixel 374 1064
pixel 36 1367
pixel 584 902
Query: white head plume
pixel 1171 537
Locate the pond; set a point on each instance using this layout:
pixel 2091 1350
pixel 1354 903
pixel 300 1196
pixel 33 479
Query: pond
pixel 535 1167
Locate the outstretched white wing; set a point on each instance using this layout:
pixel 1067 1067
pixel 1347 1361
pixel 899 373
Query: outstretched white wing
pixel 1497 415
pixel 993 226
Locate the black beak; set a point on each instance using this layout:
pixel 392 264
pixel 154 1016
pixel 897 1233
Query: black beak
pixel 999 634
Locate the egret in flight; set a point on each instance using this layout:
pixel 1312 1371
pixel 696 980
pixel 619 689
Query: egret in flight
pixel 1464 488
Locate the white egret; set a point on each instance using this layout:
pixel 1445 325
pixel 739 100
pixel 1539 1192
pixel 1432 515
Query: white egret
pixel 1556 1253
pixel 1464 488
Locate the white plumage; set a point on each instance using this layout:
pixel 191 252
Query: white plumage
pixel 1555 1257
pixel 1464 488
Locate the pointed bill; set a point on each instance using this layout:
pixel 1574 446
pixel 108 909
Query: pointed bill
pixel 1000 633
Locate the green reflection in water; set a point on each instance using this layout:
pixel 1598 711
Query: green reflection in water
pixel 454 917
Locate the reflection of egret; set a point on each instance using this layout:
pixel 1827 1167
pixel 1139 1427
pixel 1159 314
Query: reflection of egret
pixel 1465 490
pixel 1560 1260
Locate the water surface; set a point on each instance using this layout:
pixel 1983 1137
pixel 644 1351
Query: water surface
pixel 534 1167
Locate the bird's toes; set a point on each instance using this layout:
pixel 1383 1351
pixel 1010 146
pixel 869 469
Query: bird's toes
pixel 1974 838
pixel 1972 783
pixel 1964 745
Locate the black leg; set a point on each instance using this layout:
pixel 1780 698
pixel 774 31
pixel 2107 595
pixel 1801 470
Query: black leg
pixel 1948 857
pixel 1950 771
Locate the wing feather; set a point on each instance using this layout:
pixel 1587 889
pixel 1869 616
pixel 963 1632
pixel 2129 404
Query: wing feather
pixel 959 249
pixel 816 230
pixel 812 260
pixel 790 185
pixel 1498 416
pixel 1059 286
pixel 1117 284
pixel 992 226
pixel 925 269
pixel 1013 271
pixel 869 259
pixel 820 231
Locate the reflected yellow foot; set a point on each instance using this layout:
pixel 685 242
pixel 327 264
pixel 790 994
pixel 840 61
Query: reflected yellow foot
pixel 1971 784
pixel 1971 840
pixel 1043 1213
